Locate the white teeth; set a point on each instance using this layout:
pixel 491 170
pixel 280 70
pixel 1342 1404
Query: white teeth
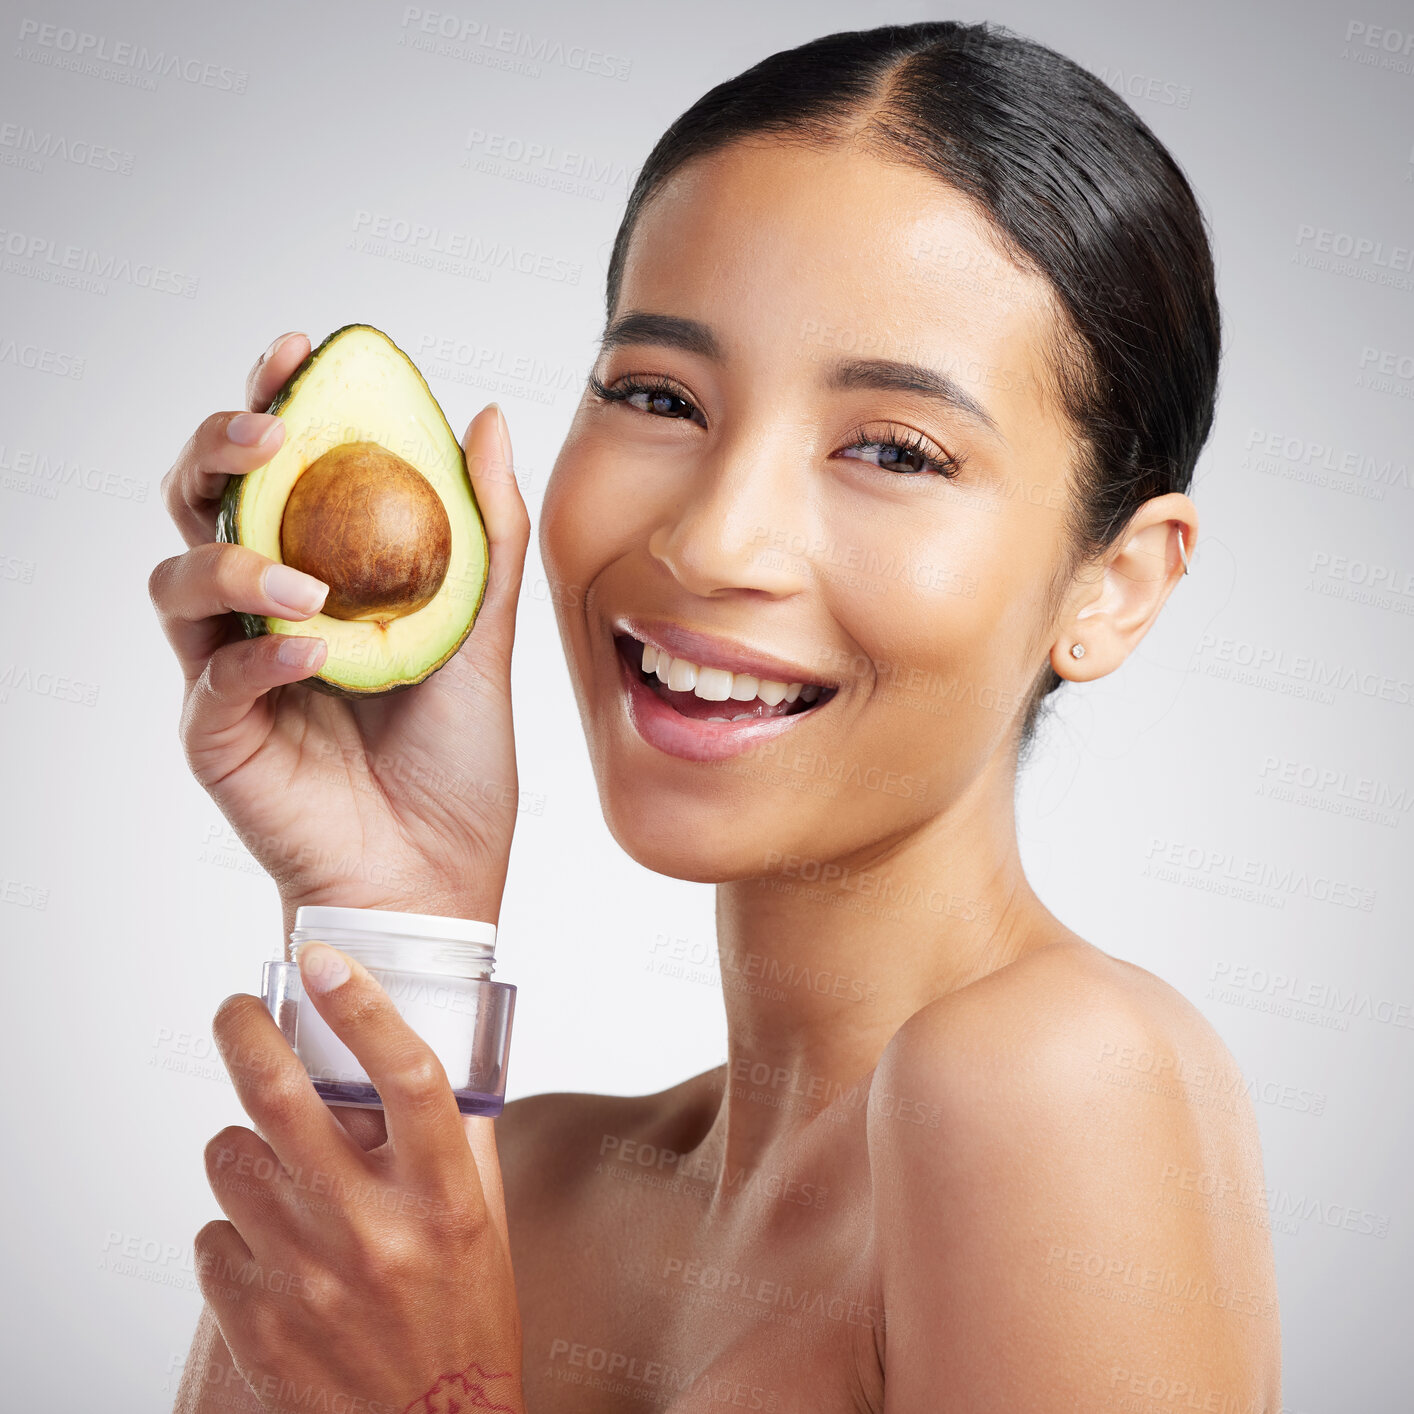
pixel 682 675
pixel 718 685
pixel 714 684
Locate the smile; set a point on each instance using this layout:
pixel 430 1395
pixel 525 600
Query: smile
pixel 706 711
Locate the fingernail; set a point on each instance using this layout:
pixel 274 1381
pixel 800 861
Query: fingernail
pixel 504 433
pixel 295 652
pixel 250 429
pixel 270 352
pixel 321 967
pixel 293 589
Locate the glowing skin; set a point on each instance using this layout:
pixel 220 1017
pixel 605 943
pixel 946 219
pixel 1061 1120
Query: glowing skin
pixel 759 529
pixel 944 1104
pixel 922 599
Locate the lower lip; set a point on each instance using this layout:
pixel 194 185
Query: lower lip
pixel 691 738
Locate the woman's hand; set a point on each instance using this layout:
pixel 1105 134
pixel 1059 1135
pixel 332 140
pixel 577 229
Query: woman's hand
pixel 376 1281
pixel 403 802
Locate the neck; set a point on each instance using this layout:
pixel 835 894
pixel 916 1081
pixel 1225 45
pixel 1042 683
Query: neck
pixel 823 961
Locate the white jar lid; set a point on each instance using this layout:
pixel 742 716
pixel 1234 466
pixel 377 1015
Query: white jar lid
pixel 431 926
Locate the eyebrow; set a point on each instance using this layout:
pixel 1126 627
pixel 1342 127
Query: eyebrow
pixel 639 326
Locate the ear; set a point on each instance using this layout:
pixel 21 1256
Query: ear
pixel 1111 609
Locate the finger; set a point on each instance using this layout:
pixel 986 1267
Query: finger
pixel 224 1264
pixel 276 1092
pixel 255 1190
pixel 194 593
pixel 230 444
pixel 367 1128
pixel 271 371
pixel 226 444
pixel 424 1123
pixel 490 462
pixel 229 714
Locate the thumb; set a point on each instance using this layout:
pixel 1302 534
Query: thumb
pixel 487 444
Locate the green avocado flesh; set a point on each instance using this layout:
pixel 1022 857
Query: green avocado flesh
pixel 359 387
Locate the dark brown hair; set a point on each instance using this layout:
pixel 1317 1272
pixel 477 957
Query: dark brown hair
pixel 1077 188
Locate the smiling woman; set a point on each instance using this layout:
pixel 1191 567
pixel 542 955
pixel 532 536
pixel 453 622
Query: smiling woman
pixel 911 348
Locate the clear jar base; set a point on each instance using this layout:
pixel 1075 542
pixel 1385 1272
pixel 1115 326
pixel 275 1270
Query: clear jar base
pixel 365 1097
pixel 472 1018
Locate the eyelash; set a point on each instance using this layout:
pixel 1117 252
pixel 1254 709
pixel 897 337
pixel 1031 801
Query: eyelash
pixel 899 438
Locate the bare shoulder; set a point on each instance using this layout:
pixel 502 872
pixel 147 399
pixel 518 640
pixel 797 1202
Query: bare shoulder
pixel 1065 1149
pixel 1065 1016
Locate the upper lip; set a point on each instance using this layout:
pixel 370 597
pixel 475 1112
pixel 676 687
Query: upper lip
pixel 712 651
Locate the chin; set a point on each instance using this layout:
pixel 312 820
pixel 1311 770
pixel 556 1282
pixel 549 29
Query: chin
pixel 726 827
pixel 704 838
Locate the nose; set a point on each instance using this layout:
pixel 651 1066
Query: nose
pixel 741 523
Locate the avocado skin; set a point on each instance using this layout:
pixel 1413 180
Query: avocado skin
pixel 228 527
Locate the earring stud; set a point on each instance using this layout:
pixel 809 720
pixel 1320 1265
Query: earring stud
pixel 1077 650
pixel 1182 550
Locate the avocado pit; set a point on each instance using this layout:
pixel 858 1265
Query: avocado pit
pixel 372 527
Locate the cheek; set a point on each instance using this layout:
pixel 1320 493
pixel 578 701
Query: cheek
pixel 601 505
pixel 571 527
pixel 915 606
pixel 943 634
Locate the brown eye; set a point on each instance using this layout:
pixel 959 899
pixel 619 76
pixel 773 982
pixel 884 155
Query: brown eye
pixel 652 396
pixel 905 453
pixel 896 458
pixel 660 401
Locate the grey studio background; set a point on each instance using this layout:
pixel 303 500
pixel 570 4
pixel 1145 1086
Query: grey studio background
pixel 1231 811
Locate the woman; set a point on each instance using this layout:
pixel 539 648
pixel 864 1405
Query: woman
pixel 912 346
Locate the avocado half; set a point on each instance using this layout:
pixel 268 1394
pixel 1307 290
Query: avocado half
pixel 388 518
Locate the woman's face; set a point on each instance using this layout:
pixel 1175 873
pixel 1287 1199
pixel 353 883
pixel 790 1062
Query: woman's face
pixel 740 510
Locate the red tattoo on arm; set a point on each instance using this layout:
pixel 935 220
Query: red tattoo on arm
pixel 474 1388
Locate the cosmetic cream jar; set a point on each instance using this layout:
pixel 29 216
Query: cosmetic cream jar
pixel 437 971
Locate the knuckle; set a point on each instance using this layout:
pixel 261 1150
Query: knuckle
pixel 222 565
pixel 420 1080
pixel 323 1293
pixel 209 1242
pixel 211 687
pixel 399 1253
pixel 233 1015
pixel 224 1148
pixel 174 482
pixel 212 428
pixel 236 1020
pixel 169 490
pixel 460 1220
pixel 209 1248
pixel 282 1095
pixel 423 1075
pixel 209 1235
pixel 159 581
pixel 226 669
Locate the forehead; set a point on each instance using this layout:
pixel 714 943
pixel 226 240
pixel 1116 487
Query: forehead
pixel 797 252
